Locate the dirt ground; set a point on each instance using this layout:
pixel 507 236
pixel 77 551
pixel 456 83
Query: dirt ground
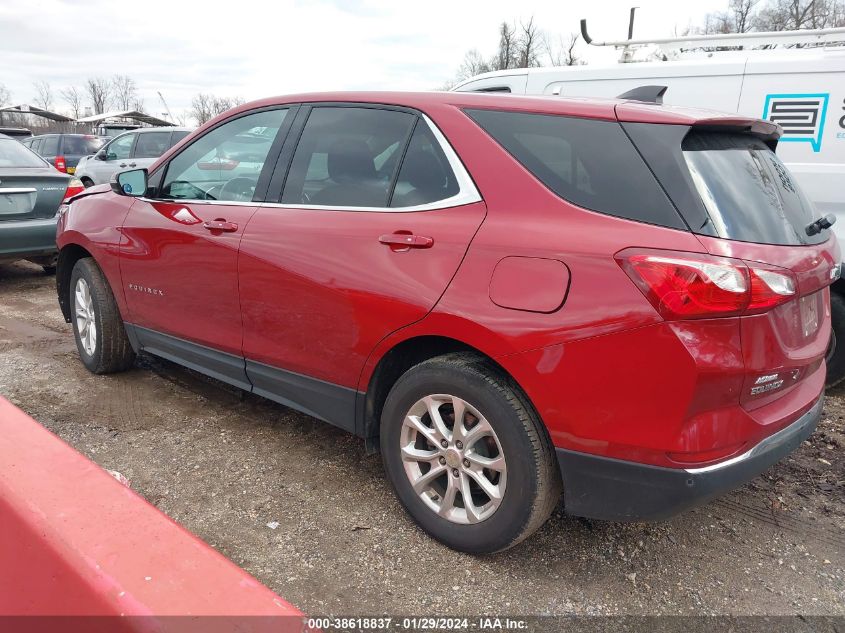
pixel 225 466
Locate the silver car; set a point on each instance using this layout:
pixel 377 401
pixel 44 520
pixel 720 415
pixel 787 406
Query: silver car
pixel 131 150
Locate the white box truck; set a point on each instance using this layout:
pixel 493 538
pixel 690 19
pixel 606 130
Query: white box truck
pixel 802 89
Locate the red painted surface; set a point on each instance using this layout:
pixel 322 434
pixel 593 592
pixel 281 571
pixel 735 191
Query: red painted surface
pixel 532 284
pixel 76 542
pixel 321 294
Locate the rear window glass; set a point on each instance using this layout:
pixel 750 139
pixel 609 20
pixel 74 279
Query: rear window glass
pixel 81 145
pixel 748 192
pixel 13 154
pixel 587 162
pixel 49 146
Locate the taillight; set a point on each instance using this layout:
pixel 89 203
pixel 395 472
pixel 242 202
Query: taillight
pixel 695 286
pixel 74 186
pixel 60 164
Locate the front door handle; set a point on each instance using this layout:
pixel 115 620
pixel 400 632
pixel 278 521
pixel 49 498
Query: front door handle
pixel 403 241
pixel 123 164
pixel 220 225
pixel 132 164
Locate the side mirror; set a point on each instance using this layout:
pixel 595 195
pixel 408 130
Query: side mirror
pixel 101 155
pixel 131 183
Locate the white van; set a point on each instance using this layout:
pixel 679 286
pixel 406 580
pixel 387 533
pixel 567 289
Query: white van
pixel 801 89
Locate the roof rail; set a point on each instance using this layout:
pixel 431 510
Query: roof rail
pixel 762 38
pixel 646 94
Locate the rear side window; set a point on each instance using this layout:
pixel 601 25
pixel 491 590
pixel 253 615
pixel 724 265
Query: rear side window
pixel 347 157
pixel 152 144
pixel 425 175
pixel 748 192
pixel 587 162
pixel 49 146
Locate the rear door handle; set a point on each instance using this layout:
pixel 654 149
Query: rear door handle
pixel 132 164
pixel 401 241
pixel 220 225
pixel 123 164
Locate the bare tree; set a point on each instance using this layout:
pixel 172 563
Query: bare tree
pixel 529 45
pixel 786 15
pixel 201 107
pixel 473 64
pixel 563 53
pixel 124 92
pixel 506 56
pixel 43 95
pixel 73 98
pixel 5 99
pixel 207 106
pixel 98 91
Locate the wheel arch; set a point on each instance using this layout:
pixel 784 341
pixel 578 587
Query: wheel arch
pixel 408 353
pixel 68 256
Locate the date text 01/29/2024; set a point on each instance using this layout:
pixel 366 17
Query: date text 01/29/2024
pixel 486 623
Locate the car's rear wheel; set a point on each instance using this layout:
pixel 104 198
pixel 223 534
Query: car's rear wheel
pixel 466 454
pixel 97 327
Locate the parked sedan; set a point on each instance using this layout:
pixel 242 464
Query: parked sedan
pixel 31 191
pixel 132 150
pixel 64 151
pixel 514 299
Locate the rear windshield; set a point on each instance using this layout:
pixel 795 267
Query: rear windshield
pixel 587 162
pixel 13 154
pixel 81 145
pixel 748 192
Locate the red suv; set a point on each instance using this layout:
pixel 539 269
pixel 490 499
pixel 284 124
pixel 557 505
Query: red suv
pixel 511 296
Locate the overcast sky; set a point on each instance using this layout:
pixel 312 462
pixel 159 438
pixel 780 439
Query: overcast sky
pixel 256 49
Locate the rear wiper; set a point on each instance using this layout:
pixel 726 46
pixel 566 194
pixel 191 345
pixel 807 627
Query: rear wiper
pixel 824 222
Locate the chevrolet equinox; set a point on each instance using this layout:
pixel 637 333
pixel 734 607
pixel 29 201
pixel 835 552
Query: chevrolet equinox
pixel 514 298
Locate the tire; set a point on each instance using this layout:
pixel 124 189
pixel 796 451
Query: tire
pixel 107 349
pixel 87 182
pixel 529 485
pixel 836 360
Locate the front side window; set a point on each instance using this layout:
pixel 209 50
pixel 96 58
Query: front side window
pixel 347 157
pixel 120 147
pixel 225 163
pixel 152 144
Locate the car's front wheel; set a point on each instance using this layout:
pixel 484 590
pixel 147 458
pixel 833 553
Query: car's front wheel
pixel 98 329
pixel 466 454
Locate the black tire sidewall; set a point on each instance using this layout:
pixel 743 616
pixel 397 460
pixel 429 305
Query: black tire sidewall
pixel 91 361
pixel 508 522
pixel 836 365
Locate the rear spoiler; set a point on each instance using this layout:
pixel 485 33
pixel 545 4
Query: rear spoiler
pixel 639 108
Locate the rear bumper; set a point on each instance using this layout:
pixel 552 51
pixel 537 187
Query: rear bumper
pixel 615 490
pixel 23 238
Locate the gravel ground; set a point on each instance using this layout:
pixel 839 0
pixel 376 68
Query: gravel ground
pixel 225 466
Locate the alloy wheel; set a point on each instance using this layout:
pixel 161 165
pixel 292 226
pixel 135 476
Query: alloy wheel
pixel 86 320
pixel 453 458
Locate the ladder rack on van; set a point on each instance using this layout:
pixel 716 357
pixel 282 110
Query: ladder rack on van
pixel 808 37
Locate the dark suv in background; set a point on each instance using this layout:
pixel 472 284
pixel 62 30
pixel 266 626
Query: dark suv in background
pixel 63 151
